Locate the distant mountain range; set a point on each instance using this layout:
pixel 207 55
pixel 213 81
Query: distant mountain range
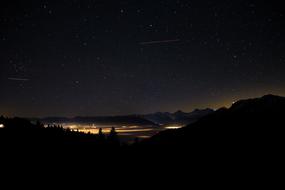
pixel 179 117
pixel 106 120
pixel 159 118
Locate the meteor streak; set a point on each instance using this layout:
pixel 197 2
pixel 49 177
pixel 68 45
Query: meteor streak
pixel 159 42
pixel 18 79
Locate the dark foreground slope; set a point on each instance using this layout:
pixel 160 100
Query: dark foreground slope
pixel 244 140
pixel 23 137
pixel 248 125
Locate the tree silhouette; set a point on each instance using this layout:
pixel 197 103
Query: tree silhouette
pixel 101 135
pixel 113 138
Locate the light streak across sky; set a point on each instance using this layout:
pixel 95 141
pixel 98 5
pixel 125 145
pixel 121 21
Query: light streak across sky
pixel 159 42
pixel 18 79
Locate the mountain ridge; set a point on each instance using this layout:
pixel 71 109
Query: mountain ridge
pixel 246 122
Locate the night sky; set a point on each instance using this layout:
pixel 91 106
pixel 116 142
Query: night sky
pixel 100 57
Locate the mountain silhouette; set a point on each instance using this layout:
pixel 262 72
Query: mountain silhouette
pixel 250 131
pixel 248 125
pixel 252 124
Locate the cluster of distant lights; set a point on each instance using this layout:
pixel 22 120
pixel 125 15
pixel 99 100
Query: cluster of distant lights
pixel 120 129
pixel 123 130
pixel 93 129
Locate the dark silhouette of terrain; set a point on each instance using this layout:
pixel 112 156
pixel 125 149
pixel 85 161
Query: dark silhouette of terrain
pixel 244 140
pixel 252 125
pixel 21 134
pixel 247 126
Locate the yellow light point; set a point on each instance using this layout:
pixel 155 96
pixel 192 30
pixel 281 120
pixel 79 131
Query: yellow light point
pixel 173 127
pixel 1 126
pixel 73 127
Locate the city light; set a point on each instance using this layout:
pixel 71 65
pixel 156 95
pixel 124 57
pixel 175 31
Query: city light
pixel 173 127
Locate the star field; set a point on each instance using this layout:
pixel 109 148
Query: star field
pixel 95 57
